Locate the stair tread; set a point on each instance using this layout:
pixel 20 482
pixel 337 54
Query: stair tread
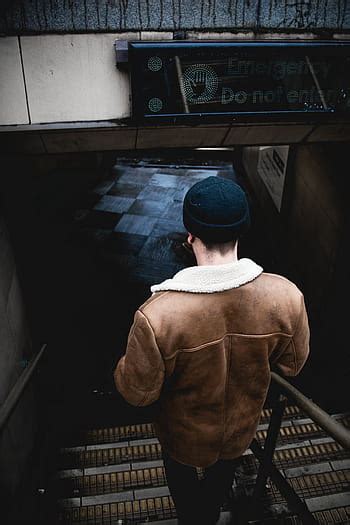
pixel 138 431
pixel 328 501
pixel 292 428
pixel 152 451
pixel 153 474
pixel 161 511
pixel 156 508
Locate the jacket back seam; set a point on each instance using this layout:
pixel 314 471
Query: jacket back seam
pixel 216 341
pixel 228 368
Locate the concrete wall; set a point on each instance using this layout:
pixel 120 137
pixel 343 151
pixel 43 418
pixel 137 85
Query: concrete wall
pixel 17 439
pixel 26 16
pixel 310 239
pixel 59 78
pixel 14 336
pixel 315 218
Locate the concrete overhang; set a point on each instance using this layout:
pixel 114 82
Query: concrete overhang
pixel 109 135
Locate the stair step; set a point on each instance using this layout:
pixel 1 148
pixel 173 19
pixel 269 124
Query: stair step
pixel 306 479
pixel 161 522
pixel 116 434
pixel 146 430
pixel 157 508
pixel 110 456
pixel 308 486
pixel 328 501
pixel 302 455
pixel 326 510
pixel 289 455
pixel 292 430
pixel 224 519
pixel 288 433
pixel 113 482
pixel 326 517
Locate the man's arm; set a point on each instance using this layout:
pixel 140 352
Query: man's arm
pixel 139 374
pixel 294 356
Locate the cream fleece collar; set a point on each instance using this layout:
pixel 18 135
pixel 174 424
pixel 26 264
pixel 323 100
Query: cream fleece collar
pixel 209 279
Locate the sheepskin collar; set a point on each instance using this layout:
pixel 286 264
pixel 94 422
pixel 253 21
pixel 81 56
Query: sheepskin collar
pixel 209 279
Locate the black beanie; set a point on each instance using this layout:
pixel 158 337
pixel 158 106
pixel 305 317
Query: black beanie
pixel 216 210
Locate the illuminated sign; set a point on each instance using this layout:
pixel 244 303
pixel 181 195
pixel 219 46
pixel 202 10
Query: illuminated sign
pixel 280 80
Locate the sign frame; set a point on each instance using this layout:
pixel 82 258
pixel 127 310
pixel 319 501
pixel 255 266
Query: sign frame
pixel 290 48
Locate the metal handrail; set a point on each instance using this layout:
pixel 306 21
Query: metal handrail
pixel 335 429
pixel 265 454
pixel 15 394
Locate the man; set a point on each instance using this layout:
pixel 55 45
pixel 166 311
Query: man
pixel 203 344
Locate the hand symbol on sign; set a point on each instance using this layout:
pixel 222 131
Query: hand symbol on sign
pixel 200 83
pixel 200 77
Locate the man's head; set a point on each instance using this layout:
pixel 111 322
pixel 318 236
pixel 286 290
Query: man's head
pixel 216 211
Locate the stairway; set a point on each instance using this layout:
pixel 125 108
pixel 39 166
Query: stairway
pixel 116 475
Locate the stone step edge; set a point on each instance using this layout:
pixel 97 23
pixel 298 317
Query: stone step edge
pixel 314 504
pixel 298 415
pixel 224 519
pixel 154 440
pixel 156 491
pixel 264 416
pixel 128 465
pixel 115 497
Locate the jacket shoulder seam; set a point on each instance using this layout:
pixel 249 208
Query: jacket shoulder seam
pixel 153 300
pixel 161 367
pixel 281 278
pixel 151 328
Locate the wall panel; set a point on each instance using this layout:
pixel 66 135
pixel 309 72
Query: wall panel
pixel 74 78
pixel 13 107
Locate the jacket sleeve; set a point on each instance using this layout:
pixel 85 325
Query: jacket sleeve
pixel 139 374
pixel 295 354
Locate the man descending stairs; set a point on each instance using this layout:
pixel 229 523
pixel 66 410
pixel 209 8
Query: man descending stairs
pixel 116 475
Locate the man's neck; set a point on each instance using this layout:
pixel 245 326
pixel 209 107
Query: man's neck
pixel 208 258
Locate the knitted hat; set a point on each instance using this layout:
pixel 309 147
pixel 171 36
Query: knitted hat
pixel 216 210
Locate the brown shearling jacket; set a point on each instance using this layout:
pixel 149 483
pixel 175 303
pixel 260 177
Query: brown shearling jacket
pixel 203 344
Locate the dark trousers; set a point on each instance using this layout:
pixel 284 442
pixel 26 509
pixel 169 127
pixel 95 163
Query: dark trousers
pixel 197 501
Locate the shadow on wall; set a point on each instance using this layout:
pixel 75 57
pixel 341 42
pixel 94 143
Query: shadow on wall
pixel 18 436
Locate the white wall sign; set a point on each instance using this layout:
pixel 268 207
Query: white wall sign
pixel 272 165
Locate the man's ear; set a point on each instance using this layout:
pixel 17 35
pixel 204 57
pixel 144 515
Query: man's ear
pixel 190 238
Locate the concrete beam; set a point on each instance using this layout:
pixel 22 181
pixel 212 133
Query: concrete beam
pixel 111 136
pixel 41 16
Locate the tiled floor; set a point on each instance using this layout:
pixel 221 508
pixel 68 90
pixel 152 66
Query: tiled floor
pixel 140 209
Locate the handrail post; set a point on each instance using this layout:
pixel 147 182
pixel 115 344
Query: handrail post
pixel 265 455
pixel 295 503
pixel 269 447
